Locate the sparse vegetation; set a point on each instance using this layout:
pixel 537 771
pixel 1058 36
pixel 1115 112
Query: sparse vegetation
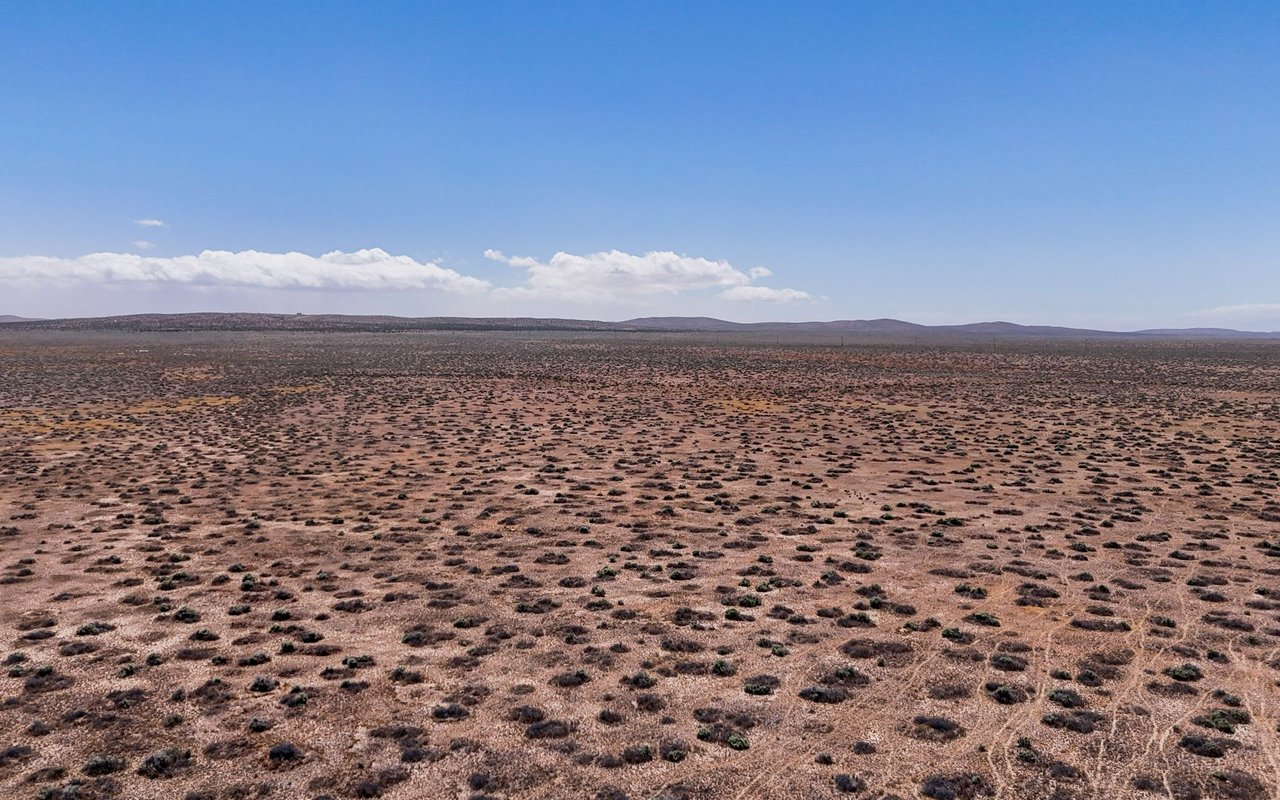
pixel 417 556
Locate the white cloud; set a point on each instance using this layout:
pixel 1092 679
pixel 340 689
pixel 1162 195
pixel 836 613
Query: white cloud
pixel 604 277
pixel 151 223
pixel 1241 311
pixel 513 261
pixel 371 269
pixel 617 276
pixel 765 294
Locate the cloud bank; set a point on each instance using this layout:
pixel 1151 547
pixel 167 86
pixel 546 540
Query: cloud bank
pixel 372 269
pixel 615 276
pixel 596 278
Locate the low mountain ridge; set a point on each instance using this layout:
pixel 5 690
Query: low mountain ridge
pixel 235 321
pixel 900 327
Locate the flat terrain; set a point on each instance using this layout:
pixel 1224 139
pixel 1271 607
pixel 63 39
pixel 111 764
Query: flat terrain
pixel 603 565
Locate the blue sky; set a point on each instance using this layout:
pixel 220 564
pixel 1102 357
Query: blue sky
pixel 1100 164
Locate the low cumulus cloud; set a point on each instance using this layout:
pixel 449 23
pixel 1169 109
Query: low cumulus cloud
pixel 613 275
pixel 372 269
pixel 151 223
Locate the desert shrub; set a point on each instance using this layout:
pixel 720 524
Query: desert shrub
pixel 1076 721
pixel 640 680
pixel 406 676
pixel 1005 694
pixel 526 714
pixel 1067 698
pixel 674 752
pixel 637 754
pixel 849 784
pixel 100 765
pixel 1008 663
pixel 284 752
pixel 569 680
pixel 186 614
pixel 824 694
pixel 1223 719
pixel 1203 746
pixel 983 618
pixel 165 763
pixel 548 729
pixel 934 729
pixel 1184 672
pixel 761 684
pixel 956 787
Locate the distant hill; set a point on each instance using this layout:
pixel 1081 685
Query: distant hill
pixel 899 327
pixel 837 326
pixel 12 318
pixel 1208 333
pixel 217 321
pixel 340 322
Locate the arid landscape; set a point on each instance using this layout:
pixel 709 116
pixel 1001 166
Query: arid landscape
pixel 636 565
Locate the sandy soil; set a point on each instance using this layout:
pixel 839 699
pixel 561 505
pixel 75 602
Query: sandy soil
pixel 608 566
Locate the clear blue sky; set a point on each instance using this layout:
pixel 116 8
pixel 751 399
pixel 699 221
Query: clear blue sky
pixel 1103 164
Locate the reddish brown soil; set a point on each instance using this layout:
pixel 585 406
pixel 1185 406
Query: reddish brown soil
pixel 606 566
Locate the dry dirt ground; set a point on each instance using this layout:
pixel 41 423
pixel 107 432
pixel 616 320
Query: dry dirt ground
pixel 632 566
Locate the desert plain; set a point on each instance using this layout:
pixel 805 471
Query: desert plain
pixel 601 565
